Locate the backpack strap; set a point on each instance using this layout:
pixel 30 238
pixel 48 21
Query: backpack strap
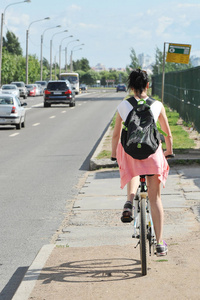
pixel 150 101
pixel 134 102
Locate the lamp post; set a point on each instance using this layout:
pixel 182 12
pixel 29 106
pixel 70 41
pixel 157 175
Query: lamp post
pixel 1 38
pixel 71 66
pixel 41 50
pixel 51 44
pixel 27 32
pixel 66 52
pixel 60 50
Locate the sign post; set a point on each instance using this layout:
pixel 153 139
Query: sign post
pixel 177 53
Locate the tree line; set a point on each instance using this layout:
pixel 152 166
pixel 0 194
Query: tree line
pixel 14 66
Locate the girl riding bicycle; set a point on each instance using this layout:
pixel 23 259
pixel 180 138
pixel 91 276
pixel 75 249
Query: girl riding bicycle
pixel 155 166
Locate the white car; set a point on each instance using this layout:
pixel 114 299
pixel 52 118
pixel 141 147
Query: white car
pixel 10 89
pixel 12 111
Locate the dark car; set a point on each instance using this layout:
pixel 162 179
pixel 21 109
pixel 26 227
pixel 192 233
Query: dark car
pixel 121 88
pixel 59 92
pixel 83 87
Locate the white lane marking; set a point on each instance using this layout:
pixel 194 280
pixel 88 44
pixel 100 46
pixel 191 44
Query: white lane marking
pixel 72 107
pixel 36 124
pixel 37 105
pixel 85 102
pixel 79 104
pixel 52 117
pixel 63 112
pixel 14 134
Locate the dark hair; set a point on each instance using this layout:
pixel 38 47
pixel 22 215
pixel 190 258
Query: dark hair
pixel 138 80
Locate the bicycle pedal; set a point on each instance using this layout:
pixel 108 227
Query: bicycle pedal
pixel 126 219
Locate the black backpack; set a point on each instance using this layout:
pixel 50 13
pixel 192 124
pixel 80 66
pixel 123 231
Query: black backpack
pixel 140 137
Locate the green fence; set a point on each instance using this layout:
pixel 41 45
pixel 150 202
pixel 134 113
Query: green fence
pixel 181 92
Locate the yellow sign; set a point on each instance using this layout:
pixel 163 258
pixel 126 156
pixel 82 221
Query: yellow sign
pixel 178 53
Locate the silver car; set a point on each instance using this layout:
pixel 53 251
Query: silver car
pixel 12 111
pixel 10 89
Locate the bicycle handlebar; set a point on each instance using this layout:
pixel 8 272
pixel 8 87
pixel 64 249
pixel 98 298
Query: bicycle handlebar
pixel 170 156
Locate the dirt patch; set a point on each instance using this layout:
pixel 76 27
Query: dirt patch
pixel 113 272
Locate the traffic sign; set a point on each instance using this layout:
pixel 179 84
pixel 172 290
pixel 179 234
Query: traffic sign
pixel 178 53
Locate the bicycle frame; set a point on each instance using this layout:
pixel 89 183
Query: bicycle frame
pixel 143 223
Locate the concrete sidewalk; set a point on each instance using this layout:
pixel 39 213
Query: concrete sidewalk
pixel 93 256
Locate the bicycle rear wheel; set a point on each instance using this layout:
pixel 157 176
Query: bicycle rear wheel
pixel 143 236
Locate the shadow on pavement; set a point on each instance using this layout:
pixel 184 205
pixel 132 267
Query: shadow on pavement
pixel 9 290
pixel 94 270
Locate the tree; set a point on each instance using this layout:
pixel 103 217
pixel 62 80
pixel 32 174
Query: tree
pixel 9 67
pixel 12 44
pixel 82 64
pixel 91 77
pixel 81 75
pixel 134 60
pixel 33 68
pixel 157 67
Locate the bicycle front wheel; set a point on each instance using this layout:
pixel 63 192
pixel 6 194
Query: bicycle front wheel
pixel 143 236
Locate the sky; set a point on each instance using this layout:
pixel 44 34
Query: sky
pixel 107 28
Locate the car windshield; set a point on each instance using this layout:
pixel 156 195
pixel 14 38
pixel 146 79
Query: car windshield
pixel 19 84
pixel 41 82
pixel 6 101
pixel 8 87
pixel 29 86
pixel 57 86
pixel 71 78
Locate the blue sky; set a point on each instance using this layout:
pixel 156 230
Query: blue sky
pixel 108 28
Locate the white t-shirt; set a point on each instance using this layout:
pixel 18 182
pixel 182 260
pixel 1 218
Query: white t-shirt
pixel 125 107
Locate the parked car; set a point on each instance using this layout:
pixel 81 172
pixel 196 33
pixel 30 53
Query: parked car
pixel 121 88
pixel 83 87
pixel 59 91
pixel 22 88
pixel 12 111
pixel 43 84
pixel 10 89
pixel 31 88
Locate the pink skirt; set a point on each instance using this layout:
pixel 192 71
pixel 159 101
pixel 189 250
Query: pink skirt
pixel 129 167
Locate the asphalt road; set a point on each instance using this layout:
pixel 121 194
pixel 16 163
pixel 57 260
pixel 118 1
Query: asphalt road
pixel 40 167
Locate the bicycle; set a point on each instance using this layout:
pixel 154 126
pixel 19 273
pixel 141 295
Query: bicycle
pixel 143 223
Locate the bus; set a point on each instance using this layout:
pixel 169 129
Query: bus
pixel 73 79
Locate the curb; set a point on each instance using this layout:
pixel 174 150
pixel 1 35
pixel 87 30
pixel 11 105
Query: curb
pixel 26 286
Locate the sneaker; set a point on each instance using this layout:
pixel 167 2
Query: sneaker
pixel 161 249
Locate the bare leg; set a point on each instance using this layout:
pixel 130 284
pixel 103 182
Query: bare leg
pixel 132 187
pixel 154 193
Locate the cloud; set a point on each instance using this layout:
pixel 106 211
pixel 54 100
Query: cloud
pixel 74 7
pixel 190 5
pixel 139 32
pixel 163 24
pixel 88 26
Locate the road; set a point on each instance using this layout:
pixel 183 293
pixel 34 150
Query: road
pixel 41 166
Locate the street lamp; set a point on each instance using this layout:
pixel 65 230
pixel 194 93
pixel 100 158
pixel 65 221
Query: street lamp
pixel 1 38
pixel 27 32
pixel 60 50
pixel 51 44
pixel 71 66
pixel 66 53
pixel 41 55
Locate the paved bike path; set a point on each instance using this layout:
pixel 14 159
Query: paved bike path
pixel 94 256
